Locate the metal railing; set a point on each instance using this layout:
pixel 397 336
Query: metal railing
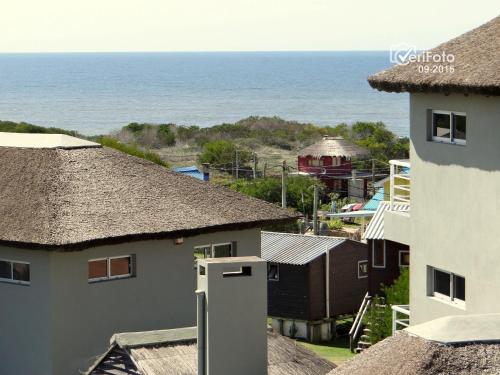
pixel 401 322
pixel 400 182
pixel 358 321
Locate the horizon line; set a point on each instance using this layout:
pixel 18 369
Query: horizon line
pixel 188 51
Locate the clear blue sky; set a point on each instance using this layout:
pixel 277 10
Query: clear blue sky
pixel 234 25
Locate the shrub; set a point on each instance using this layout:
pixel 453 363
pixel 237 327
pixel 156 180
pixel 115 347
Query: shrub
pixel 222 154
pixel 131 150
pixel 335 224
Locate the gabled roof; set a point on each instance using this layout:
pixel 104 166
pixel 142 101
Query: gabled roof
pixel 334 146
pixel 76 198
pixel 375 229
pixel 192 171
pixel 476 66
pixel 175 352
pixel 296 249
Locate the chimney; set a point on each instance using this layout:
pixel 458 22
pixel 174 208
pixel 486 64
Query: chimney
pixel 206 171
pixel 232 313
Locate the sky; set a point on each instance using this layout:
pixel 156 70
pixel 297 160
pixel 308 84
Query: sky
pixel 234 25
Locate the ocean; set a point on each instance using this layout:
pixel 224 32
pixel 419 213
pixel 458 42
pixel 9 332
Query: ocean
pixel 96 93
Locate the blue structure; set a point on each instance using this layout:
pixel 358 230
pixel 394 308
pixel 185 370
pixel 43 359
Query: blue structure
pixel 192 171
pixel 373 203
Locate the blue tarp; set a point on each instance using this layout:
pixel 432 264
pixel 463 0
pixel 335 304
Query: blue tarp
pixel 192 171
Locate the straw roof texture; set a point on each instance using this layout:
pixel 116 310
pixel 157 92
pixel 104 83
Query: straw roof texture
pixel 67 199
pixel 412 355
pixel 334 146
pixel 476 67
pixel 285 357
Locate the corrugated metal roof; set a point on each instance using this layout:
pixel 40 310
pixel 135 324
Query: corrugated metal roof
pixel 375 230
pixel 297 249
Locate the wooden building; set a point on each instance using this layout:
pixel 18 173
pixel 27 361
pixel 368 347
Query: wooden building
pixel 330 160
pixel 385 257
pixel 312 280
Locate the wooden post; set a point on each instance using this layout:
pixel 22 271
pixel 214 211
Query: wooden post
pixel 265 170
pixel 315 211
pixel 373 176
pixel 237 165
pixel 254 165
pixel 283 185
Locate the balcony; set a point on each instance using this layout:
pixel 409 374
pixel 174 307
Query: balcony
pixel 400 185
pixel 397 218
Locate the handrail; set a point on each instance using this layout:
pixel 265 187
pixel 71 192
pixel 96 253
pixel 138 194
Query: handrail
pixel 402 309
pixel 356 325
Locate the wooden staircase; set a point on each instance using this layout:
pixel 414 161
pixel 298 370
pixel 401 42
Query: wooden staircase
pixel 366 339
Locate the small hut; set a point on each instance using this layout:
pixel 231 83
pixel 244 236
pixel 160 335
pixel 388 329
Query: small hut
pixel 330 160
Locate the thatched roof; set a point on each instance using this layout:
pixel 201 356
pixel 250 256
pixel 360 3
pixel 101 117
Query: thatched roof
pixel 59 198
pixel 476 67
pixel 412 355
pixel 334 146
pixel 178 355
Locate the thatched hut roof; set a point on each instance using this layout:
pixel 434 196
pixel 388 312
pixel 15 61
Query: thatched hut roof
pixel 60 198
pixel 413 355
pixel 334 146
pixel 476 68
pixel 173 352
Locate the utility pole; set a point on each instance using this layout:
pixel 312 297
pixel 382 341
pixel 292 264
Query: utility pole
pixel 237 164
pixel 373 176
pixel 315 211
pixel 254 165
pixel 283 185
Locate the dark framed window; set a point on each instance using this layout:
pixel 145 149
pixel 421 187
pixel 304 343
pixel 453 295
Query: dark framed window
pixel 222 250
pixel 362 269
pixel 110 268
pixel 447 286
pixel 449 127
pixel 16 272
pixel 404 258
pixel 273 271
pixel 378 255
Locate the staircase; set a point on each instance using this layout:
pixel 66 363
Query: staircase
pixel 366 340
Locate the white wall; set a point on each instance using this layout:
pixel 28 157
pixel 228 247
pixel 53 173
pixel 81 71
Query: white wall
pixel 455 212
pixel 77 319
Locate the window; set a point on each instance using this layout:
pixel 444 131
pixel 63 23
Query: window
pixel 378 255
pixel 15 272
pixel 222 250
pixel 362 269
pixel 315 162
pixel 404 258
pixel 219 250
pixel 447 286
pixel 201 252
pixel 273 271
pixel 110 268
pixel 449 127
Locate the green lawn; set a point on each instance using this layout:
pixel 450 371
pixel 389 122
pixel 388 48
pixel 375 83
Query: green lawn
pixel 336 351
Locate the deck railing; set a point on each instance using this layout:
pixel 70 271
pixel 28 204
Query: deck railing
pixel 400 182
pixel 398 322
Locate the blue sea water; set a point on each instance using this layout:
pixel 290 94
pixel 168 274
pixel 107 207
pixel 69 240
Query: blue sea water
pixel 95 93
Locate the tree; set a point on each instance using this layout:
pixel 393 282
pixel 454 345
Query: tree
pixel 300 192
pixel 380 318
pixel 222 153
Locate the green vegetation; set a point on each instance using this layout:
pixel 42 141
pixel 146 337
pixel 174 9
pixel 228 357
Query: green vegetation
pixel 131 150
pixel 380 319
pixel 23 127
pixel 335 224
pixel 275 132
pixel 222 154
pixel 336 351
pixel 300 193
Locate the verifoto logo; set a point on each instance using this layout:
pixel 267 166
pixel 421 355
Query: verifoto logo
pixel 402 53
